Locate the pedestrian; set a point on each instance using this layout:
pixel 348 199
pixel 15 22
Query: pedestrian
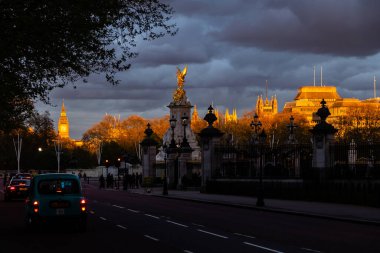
pixel 108 180
pixel 125 182
pixel 140 179
pixel 84 177
pixel 80 175
pixel 101 182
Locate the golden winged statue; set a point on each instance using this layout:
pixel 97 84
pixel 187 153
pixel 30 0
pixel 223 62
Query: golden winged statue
pixel 180 93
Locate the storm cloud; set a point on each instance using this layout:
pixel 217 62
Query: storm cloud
pixel 231 48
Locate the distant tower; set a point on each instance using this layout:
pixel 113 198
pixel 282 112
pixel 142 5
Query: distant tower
pixel 227 117
pixel 274 105
pixel 268 107
pixel 195 116
pixel 234 115
pixel 63 124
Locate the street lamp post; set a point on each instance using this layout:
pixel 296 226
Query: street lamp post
pixel 58 151
pixel 107 165
pixel 165 183
pixel 185 143
pixel 292 141
pixel 260 139
pixel 18 150
pixel 126 173
pixel 260 196
pixel 169 150
pixel 118 174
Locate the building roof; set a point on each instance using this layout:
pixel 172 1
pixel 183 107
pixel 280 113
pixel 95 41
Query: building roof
pixel 346 102
pixel 317 92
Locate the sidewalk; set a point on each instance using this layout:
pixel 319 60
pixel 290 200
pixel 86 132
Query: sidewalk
pixel 342 212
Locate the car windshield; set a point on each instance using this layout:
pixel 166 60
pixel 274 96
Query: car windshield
pixel 25 175
pixel 20 182
pixel 58 186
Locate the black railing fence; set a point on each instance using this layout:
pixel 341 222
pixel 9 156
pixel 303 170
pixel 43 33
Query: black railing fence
pixel 294 161
pixel 354 161
pixel 244 161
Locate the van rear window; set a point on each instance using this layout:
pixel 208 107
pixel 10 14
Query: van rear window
pixel 58 186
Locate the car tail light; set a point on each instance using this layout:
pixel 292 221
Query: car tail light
pixel 83 205
pixel 12 188
pixel 35 206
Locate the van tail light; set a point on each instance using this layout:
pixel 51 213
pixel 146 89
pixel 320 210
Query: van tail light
pixel 83 205
pixel 35 206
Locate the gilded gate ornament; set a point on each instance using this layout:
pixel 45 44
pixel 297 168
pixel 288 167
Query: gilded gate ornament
pixel 180 93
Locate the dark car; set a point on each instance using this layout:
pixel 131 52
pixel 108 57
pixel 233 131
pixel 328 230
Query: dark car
pixel 17 188
pixel 56 197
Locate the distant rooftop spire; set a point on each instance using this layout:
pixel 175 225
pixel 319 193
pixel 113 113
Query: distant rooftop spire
pixel 321 77
pixel 374 86
pixel 266 91
pixel 314 74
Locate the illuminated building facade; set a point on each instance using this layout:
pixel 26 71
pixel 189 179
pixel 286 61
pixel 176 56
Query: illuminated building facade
pixel 63 124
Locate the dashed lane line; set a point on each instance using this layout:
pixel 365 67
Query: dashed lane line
pixel 121 207
pixel 206 232
pixel 133 211
pixel 152 238
pixel 152 216
pixel 178 224
pixel 262 247
pixel 120 226
pixel 102 218
pixel 92 212
pixel 311 250
pixel 199 225
pixel 248 236
pixel 188 251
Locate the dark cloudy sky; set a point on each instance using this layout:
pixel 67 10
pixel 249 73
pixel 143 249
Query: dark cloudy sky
pixel 231 47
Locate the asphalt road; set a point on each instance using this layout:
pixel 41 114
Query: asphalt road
pixel 125 222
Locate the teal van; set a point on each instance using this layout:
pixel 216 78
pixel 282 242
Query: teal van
pixel 56 197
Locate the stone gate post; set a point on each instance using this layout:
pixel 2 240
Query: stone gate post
pixel 149 146
pixel 323 136
pixel 210 138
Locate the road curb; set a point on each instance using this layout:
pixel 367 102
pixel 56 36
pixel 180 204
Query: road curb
pixel 273 210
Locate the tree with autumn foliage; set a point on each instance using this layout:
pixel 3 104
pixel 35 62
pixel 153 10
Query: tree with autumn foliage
pixel 361 123
pixel 125 134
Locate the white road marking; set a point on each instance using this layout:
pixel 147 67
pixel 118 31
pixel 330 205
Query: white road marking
pixel 133 211
pixel 262 247
pixel 188 251
pixel 102 218
pixel 92 212
pixel 221 236
pixel 152 238
pixel 120 226
pixel 121 207
pixel 248 236
pixel 152 216
pixel 199 225
pixel 311 250
pixel 178 224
